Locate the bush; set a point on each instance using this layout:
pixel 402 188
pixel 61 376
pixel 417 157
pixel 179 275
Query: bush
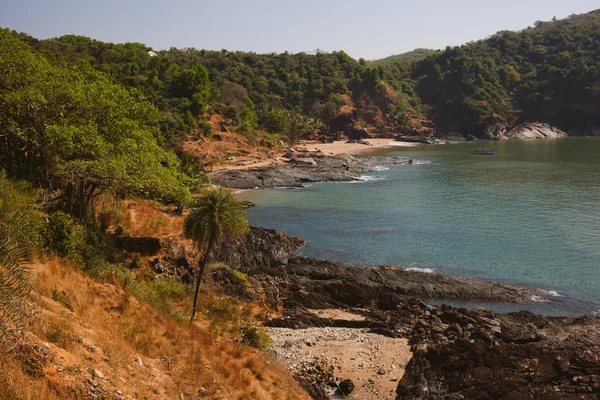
pixel 206 129
pixel 241 277
pixel 256 337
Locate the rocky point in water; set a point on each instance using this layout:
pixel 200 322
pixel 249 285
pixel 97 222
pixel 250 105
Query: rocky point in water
pixel 304 168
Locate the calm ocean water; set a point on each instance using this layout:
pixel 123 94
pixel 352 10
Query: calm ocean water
pixel 528 215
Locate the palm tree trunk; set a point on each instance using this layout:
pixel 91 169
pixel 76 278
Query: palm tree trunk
pixel 202 267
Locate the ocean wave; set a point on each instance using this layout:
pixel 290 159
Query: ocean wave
pixel 402 144
pixel 425 270
pixel 552 293
pixel 370 178
pixel 381 168
pixel 288 187
pixel 538 299
pixel 365 179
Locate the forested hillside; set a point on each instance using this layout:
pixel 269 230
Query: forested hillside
pixel 550 72
pixel 286 94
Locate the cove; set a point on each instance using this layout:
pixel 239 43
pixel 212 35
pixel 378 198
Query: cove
pixel 529 214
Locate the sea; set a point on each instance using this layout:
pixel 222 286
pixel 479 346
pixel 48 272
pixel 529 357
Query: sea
pixel 530 215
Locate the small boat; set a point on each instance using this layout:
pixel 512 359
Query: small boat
pixel 483 152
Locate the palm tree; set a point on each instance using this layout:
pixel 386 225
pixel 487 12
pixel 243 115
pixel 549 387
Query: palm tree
pixel 216 216
pixel 18 213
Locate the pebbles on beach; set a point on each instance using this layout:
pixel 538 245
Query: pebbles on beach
pixel 373 362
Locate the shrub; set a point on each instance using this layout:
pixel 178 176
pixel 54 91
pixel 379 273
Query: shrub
pixel 240 276
pixel 256 337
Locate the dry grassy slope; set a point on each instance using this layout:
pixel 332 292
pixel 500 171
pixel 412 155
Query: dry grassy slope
pixel 93 341
pixel 226 143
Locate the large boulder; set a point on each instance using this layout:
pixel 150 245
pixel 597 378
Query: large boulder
pixel 535 130
pixel 495 131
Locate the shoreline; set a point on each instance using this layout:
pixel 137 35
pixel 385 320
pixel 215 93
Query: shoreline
pixel 342 147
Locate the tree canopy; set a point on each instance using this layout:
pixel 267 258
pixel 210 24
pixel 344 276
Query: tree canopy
pixel 71 128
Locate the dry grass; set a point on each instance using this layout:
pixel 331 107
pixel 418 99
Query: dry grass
pixel 102 335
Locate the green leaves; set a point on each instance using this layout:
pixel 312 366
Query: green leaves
pixel 18 231
pixel 217 215
pixel 74 126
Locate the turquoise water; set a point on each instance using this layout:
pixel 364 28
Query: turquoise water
pixel 530 215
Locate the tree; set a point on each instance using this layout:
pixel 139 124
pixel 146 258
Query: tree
pixel 17 235
pixel 216 216
pixel 71 128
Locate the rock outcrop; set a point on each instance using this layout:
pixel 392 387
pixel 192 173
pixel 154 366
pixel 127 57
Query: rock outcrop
pixel 258 249
pixel 476 354
pixel 495 131
pixel 534 130
pixel 347 121
pixel 325 284
pixel 304 168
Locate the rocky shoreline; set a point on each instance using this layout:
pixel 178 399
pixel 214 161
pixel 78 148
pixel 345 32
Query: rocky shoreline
pixel 400 347
pixel 304 168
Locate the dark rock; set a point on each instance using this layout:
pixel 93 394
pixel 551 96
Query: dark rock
pixel 260 248
pixel 247 204
pixel 145 246
pixel 533 357
pixel 471 138
pixel 314 390
pixel 330 284
pixel 495 131
pixel 346 387
pixel 308 167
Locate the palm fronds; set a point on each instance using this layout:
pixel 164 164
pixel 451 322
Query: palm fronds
pixel 17 232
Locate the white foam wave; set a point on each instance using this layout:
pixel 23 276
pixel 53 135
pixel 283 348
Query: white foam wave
pixel 365 179
pixel 538 299
pixel 370 178
pixel 552 293
pixel 382 168
pixel 402 144
pixel 426 270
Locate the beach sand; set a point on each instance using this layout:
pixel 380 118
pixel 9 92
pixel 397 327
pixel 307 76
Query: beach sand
pixel 341 147
pixel 373 362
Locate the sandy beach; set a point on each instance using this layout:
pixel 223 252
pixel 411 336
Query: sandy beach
pixel 335 148
pixel 341 147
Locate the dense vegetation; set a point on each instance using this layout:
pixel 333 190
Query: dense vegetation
pixel 73 130
pixel 278 93
pixel 550 72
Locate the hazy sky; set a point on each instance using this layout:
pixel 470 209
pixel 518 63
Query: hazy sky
pixel 368 28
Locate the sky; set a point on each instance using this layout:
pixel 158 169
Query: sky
pixel 370 29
